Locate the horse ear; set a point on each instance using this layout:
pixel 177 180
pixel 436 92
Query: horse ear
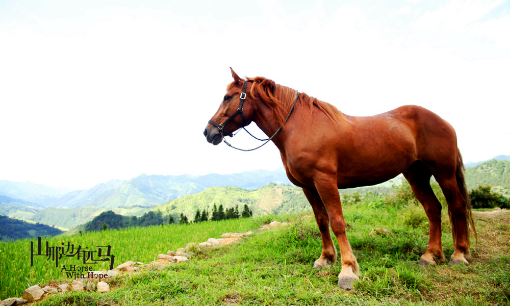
pixel 235 76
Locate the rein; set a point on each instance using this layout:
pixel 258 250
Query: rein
pixel 239 111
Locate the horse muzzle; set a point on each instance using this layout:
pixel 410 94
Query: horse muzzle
pixel 213 135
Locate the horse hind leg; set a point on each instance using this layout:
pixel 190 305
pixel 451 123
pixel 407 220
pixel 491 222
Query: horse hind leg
pixel 418 176
pixel 329 254
pixel 459 218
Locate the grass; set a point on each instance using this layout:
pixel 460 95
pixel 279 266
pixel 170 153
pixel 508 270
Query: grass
pixel 137 244
pixel 275 267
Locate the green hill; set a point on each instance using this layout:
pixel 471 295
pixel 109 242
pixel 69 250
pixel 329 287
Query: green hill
pixel 270 199
pixel 72 217
pixel 493 172
pixel 13 229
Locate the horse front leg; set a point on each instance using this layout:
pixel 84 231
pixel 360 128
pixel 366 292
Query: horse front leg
pixel 328 255
pixel 328 190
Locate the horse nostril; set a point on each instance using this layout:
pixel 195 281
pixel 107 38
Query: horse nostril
pixel 205 132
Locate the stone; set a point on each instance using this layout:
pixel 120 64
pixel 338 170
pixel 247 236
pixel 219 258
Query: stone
pixel 63 287
pixel 163 256
pixel 180 259
pixel 227 241
pixel 123 267
pixel 179 251
pixel 232 235
pixel 8 302
pixel 113 272
pixel 103 287
pixel 20 301
pixel 76 285
pixel 33 293
pixel 13 301
pixel 170 253
pixel 132 269
pixel 205 244
pixel 275 224
pixel 186 255
pixel 139 263
pixel 249 233
pixel 51 290
pixel 214 242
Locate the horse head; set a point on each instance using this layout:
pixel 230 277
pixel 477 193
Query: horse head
pixel 234 112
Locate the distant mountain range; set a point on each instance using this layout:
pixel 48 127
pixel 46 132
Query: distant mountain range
pixel 67 209
pixel 127 197
pixel 144 190
pixel 499 158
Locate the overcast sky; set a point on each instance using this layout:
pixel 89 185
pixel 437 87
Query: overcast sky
pixel 97 90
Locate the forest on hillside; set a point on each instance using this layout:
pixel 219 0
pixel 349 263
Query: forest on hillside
pixel 495 173
pixel 13 229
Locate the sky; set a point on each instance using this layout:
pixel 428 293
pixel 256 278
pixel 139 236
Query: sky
pixel 92 91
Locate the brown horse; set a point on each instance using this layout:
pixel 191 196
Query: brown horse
pixel 323 150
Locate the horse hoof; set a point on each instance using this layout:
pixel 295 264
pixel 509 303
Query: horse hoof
pixel 458 262
pixel 346 282
pixel 424 262
pixel 321 264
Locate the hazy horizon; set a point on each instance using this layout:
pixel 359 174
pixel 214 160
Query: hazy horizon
pixel 93 91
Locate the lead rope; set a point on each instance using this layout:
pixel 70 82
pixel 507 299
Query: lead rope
pixel 269 139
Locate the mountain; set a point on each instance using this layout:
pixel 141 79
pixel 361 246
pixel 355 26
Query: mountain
pixel 152 190
pixel 75 198
pixel 31 192
pixel 493 172
pixel 499 158
pixel 13 229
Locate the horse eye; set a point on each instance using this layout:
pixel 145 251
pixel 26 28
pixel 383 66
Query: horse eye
pixel 227 98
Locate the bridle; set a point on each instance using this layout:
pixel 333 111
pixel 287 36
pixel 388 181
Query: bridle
pixel 239 111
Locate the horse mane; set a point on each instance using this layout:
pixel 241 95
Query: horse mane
pixel 280 99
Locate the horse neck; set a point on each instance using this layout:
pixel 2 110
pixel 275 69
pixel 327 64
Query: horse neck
pixel 265 120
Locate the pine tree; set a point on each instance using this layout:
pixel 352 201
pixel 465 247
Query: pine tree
pixel 171 220
pixel 229 214
pixel 105 227
pixel 205 216
pixel 221 213
pixel 198 218
pixel 181 219
pixel 214 216
pixel 236 212
pixel 246 211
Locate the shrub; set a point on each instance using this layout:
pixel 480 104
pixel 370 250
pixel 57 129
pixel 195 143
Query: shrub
pixel 482 197
pixel 413 215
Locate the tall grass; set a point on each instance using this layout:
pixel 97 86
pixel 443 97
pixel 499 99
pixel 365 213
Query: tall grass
pixel 137 244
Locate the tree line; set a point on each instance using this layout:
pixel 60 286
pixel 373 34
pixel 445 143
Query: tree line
pixel 110 220
pixel 218 214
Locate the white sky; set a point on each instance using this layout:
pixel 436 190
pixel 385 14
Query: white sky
pixel 97 90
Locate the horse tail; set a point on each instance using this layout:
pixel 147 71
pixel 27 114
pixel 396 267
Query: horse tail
pixel 461 182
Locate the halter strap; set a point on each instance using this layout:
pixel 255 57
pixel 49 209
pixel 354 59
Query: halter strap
pixel 267 140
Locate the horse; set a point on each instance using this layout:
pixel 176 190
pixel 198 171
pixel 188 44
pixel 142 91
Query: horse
pixel 323 150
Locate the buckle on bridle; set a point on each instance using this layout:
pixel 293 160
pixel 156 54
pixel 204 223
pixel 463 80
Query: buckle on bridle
pixel 243 96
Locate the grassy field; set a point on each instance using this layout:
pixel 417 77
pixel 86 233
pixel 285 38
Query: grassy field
pixel 138 244
pixel 275 267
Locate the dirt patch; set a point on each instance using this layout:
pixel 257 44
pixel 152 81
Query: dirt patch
pixel 501 215
pixel 231 299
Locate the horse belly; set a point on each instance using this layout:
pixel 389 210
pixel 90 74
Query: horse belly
pixel 374 157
